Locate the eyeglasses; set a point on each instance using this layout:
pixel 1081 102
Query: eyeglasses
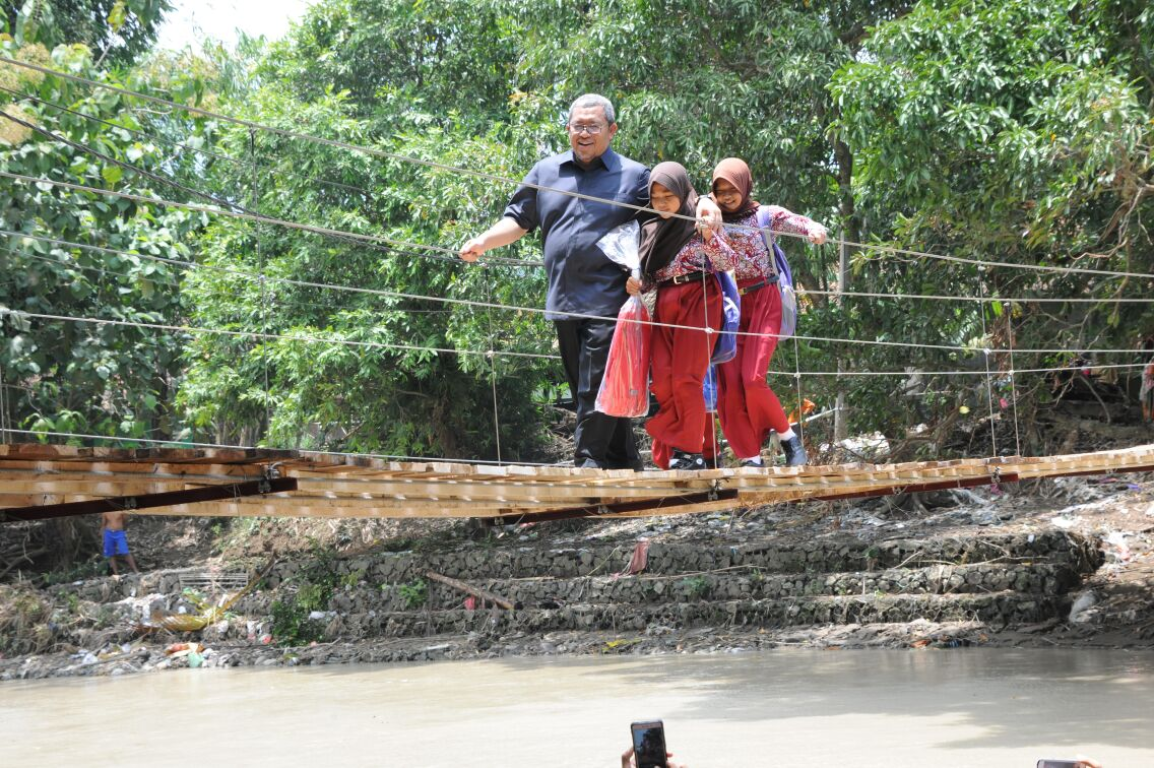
pixel 592 130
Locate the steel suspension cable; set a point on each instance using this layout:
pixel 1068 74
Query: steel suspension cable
pixel 465 302
pixel 493 369
pixel 984 299
pixel 360 190
pixel 1013 383
pixel 236 161
pixel 228 204
pixel 3 406
pixel 85 267
pixel 986 340
pixel 800 398
pixel 908 373
pixel 232 206
pixel 257 335
pixel 134 131
pixel 241 213
pixel 493 177
pixel 408 347
pixel 164 140
pixel 264 304
pixel 226 446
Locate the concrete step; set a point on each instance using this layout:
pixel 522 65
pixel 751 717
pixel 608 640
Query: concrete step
pixel 826 555
pixel 1036 578
pixel 996 609
pixel 1048 563
pixel 835 555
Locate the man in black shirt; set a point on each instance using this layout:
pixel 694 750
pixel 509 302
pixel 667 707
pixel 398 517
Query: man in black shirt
pixel 586 289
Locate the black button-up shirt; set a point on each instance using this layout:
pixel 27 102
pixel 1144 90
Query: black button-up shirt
pixel 581 278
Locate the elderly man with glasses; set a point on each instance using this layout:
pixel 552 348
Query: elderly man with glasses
pixel 586 289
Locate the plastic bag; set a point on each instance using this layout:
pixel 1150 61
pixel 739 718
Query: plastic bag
pixel 788 296
pixel 784 277
pixel 624 389
pixel 622 246
pixel 709 389
pixel 725 348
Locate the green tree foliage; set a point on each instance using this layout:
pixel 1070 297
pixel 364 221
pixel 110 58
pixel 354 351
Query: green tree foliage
pixel 67 376
pixel 1014 132
pixel 116 31
pixel 371 379
pixel 484 86
pixel 385 398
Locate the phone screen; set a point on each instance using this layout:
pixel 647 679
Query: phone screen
pixel 1058 764
pixel 649 744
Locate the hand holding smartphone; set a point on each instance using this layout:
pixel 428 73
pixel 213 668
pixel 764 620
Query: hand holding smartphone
pixel 649 744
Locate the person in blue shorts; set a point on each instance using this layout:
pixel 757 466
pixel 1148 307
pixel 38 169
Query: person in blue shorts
pixel 115 540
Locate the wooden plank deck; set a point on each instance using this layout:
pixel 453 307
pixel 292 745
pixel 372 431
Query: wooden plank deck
pixel 356 486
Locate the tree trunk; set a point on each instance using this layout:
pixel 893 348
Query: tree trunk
pixel 851 231
pixel 71 539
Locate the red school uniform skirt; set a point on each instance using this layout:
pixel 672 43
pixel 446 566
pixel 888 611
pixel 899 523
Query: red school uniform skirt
pixel 679 360
pixel 746 405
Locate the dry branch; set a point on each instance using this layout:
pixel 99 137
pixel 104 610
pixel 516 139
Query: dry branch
pixel 471 590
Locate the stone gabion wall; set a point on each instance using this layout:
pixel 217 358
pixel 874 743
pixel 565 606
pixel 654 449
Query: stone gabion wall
pixel 999 579
pixel 825 556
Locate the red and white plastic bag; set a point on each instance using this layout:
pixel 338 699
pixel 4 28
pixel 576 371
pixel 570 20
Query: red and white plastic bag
pixel 624 389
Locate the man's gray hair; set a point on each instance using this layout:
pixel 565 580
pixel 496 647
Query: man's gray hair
pixel 594 100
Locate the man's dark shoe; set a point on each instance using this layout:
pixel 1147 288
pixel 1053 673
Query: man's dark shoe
pixel 757 463
pixel 794 452
pixel 637 465
pixel 683 460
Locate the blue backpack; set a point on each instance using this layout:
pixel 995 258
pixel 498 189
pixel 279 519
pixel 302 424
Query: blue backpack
pixel 710 389
pixel 725 348
pixel 784 278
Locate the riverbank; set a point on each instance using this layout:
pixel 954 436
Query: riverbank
pixel 1061 563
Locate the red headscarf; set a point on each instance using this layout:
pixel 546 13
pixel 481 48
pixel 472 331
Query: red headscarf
pixel 736 172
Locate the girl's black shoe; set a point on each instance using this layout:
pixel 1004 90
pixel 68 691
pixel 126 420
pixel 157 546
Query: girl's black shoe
pixel 794 452
pixel 683 460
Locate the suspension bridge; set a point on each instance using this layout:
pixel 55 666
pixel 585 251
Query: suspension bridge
pixel 44 481
pixel 39 481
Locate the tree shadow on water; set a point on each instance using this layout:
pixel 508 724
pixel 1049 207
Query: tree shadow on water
pixel 1000 698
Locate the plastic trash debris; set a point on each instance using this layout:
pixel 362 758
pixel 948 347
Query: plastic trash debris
pixel 176 650
pixel 1118 545
pixel 1085 601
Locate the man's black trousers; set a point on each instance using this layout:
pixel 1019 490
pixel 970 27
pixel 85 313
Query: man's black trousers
pixel 606 440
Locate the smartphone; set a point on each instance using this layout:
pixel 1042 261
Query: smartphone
pixel 1058 763
pixel 649 744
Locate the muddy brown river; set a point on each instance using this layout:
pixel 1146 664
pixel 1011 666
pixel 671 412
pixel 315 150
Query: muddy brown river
pixel 966 707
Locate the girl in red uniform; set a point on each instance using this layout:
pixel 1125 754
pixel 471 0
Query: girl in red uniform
pixel 678 262
pixel 747 407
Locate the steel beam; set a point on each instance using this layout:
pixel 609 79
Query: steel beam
pixel 150 500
